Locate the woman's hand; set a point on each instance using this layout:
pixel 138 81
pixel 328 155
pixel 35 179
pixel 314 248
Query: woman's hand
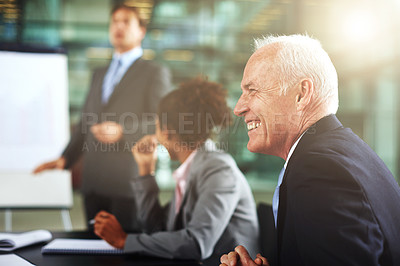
pixel 145 154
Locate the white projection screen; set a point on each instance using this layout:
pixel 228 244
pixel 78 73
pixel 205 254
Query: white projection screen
pixel 34 121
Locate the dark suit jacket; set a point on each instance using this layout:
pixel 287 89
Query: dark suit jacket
pixel 108 168
pixel 338 204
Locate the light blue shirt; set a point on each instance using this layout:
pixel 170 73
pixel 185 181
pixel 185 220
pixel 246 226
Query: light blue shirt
pixel 275 199
pixel 118 67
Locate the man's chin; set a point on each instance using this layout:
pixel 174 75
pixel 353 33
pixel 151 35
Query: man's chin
pixel 254 148
pixel 260 147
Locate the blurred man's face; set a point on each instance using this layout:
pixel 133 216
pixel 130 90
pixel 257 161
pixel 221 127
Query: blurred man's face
pixel 267 114
pixel 125 31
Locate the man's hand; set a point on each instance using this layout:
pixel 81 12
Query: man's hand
pixel 56 164
pixel 145 153
pixel 107 132
pixel 108 228
pixel 240 257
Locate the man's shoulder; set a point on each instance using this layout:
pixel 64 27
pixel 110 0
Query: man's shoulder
pixel 149 64
pixel 328 134
pixel 211 160
pixel 339 141
pixel 213 157
pixel 217 170
pixel 336 155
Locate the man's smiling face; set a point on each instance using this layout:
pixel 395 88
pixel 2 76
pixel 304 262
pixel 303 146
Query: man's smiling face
pixel 266 111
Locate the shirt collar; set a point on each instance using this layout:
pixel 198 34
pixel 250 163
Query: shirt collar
pixel 181 172
pixel 129 57
pixel 292 149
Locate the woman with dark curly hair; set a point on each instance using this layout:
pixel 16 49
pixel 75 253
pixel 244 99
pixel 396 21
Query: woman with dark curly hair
pixel 213 209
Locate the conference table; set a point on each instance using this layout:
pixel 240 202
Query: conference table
pixel 33 254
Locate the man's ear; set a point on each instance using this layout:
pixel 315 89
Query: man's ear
pixel 304 94
pixel 167 133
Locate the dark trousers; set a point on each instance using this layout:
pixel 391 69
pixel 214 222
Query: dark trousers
pixel 124 209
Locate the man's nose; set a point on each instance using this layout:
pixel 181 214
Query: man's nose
pixel 241 106
pixel 118 24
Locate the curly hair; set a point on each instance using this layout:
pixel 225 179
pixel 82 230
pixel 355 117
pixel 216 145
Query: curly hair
pixel 194 110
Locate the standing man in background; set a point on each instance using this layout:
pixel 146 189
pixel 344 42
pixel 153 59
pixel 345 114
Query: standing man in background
pixel 118 111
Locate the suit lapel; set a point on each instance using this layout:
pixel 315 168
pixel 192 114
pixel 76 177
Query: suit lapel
pixel 171 215
pixel 98 88
pixel 327 123
pixel 133 72
pixel 178 217
pixel 190 180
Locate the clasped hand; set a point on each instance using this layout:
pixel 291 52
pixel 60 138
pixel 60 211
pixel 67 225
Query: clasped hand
pixel 240 257
pixel 107 132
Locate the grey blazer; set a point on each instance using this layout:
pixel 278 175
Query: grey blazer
pixel 108 168
pixel 217 212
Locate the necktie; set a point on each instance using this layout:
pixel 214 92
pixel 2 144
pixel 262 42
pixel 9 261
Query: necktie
pixel 275 199
pixel 111 80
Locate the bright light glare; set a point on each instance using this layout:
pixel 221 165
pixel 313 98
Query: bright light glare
pixel 360 26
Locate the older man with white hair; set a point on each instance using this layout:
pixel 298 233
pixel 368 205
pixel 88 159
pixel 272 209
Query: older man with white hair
pixel 336 203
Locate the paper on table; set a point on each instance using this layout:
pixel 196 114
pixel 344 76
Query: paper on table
pixel 12 259
pixel 80 246
pixel 9 242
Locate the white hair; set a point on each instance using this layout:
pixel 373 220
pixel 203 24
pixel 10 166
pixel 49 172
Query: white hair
pixel 299 57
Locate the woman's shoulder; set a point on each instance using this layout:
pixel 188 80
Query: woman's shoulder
pixel 210 153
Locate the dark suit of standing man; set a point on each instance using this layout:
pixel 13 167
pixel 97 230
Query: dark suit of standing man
pixel 336 203
pixel 119 110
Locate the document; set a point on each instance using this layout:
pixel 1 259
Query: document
pixel 14 260
pixel 9 241
pixel 80 246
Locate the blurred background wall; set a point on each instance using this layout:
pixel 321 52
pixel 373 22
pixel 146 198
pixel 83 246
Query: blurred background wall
pixel 214 38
